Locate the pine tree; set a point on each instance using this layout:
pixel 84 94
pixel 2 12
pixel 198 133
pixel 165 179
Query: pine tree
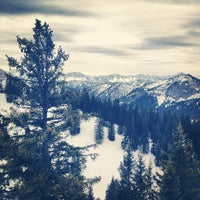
pixel 181 179
pixel 99 132
pixel 90 195
pixel 111 132
pixel 139 179
pixel 127 192
pixel 85 103
pixel 136 180
pixel 151 188
pixel 195 137
pixel 42 165
pixel 170 183
pixel 5 142
pixel 112 192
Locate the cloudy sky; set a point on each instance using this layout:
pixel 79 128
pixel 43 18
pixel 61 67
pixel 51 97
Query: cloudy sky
pixel 127 37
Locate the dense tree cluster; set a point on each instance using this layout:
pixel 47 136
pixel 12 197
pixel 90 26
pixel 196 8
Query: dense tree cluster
pixel 177 152
pixel 181 179
pixel 36 161
pixel 142 126
pixel 136 180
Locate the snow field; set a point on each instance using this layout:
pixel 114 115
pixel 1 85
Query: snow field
pixel 110 154
pixel 108 160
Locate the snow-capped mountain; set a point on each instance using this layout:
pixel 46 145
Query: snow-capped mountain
pixel 179 92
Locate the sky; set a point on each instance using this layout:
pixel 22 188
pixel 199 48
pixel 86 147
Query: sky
pixel 127 37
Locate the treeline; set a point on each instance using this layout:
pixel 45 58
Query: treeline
pixel 179 180
pixel 145 128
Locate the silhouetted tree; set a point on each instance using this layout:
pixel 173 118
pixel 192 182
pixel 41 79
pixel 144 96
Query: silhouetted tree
pixel 112 192
pixel 90 195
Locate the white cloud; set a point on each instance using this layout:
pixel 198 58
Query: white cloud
pixel 114 36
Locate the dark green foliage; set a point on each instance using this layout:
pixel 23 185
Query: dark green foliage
pixel 170 183
pixel 73 121
pixel 112 193
pixel 40 164
pixel 121 130
pixel 126 190
pixel 145 183
pixel 5 141
pixel 111 132
pixel 136 180
pixel 141 125
pixel 90 194
pixel 85 101
pixel 151 181
pixel 13 87
pixel 139 181
pixel 194 135
pixel 181 179
pixel 126 169
pixel 99 132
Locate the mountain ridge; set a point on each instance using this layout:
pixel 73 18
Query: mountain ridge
pixel 150 91
pixel 179 92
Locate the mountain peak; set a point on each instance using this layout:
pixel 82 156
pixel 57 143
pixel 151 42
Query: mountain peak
pixel 158 91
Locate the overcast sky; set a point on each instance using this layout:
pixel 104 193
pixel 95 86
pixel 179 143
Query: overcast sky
pixel 127 37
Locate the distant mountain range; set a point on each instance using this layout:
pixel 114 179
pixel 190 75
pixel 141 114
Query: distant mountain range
pixel 178 93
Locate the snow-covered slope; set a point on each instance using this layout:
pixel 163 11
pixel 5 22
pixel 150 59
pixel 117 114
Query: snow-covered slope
pixel 154 91
pixel 110 154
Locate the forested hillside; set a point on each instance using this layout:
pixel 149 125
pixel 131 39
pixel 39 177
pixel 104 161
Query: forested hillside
pixel 37 162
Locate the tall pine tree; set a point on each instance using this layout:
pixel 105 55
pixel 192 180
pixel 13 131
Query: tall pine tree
pixel 136 180
pixel 181 179
pixel 111 132
pixel 99 132
pixel 127 192
pixel 139 181
pixel 42 165
pixel 112 192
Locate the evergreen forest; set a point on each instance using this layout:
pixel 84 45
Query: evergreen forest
pixel 37 163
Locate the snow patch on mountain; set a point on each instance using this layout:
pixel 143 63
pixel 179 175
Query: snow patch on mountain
pixel 195 96
pixel 160 99
pixel 154 91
